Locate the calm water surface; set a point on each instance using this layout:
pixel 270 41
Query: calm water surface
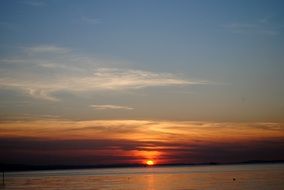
pixel 257 177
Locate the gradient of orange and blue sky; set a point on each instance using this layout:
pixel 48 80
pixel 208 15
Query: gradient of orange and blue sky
pixel 110 82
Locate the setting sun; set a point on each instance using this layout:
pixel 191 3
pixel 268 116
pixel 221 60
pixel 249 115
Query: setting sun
pixel 150 163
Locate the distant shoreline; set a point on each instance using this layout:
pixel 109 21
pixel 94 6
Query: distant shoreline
pixel 25 167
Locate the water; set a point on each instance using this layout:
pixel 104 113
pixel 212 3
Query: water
pixel 260 177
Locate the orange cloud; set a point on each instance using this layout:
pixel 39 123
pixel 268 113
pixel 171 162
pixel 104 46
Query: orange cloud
pixel 130 141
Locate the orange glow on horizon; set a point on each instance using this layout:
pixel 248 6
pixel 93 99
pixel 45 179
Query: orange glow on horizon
pixel 144 142
pixel 152 131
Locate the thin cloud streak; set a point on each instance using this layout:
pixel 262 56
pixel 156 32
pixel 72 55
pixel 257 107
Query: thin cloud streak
pixel 112 107
pixel 47 49
pixel 113 78
pixel 262 26
pixel 91 20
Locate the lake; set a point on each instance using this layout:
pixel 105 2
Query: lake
pixel 233 177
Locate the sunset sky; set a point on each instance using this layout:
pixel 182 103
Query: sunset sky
pixel 121 82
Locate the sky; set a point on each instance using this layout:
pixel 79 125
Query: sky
pixel 121 82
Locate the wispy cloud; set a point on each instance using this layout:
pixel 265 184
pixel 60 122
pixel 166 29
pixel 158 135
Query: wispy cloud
pixel 113 78
pixel 44 70
pixel 46 49
pixel 101 79
pixel 112 107
pixel 40 93
pixel 262 26
pixel 90 20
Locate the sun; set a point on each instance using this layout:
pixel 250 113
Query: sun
pixel 150 162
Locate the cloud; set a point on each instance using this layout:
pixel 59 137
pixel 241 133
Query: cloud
pixel 262 26
pixel 91 20
pixel 113 78
pixel 115 107
pixel 42 71
pixel 137 140
pixel 41 94
pixel 101 79
pixel 46 49
pixel 148 129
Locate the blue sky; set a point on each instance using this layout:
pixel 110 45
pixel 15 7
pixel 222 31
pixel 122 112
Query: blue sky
pixel 224 55
pixel 104 82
